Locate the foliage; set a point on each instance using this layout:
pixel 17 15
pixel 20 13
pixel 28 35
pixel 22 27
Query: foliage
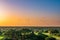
pixel 50 38
pixel 46 31
pixel 54 31
pixel 26 34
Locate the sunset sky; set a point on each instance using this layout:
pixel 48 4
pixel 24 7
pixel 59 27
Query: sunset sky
pixel 29 12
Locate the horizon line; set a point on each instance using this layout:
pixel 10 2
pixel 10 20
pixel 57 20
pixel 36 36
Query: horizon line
pixel 31 26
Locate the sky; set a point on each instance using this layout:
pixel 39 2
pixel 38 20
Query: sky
pixel 29 12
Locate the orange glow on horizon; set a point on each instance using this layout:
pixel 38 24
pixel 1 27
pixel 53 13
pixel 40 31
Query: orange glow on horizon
pixel 22 21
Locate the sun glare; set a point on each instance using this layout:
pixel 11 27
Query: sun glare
pixel 2 15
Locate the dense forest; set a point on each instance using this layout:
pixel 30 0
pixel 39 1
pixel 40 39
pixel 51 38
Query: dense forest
pixel 29 34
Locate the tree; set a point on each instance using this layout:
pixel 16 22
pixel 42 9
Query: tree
pixel 10 34
pixel 41 37
pixel 24 33
pixel 54 31
pixel 18 34
pixel 32 36
pixel 50 38
pixel 0 33
pixel 46 31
